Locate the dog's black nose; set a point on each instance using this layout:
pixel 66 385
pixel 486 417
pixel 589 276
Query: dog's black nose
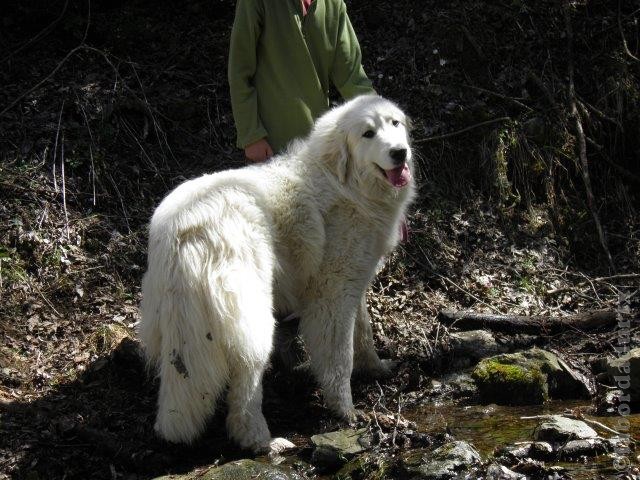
pixel 399 155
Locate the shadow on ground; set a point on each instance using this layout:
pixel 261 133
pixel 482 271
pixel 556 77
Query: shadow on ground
pixel 101 425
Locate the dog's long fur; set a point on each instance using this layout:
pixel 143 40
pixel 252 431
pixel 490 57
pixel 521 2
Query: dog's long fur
pixel 302 233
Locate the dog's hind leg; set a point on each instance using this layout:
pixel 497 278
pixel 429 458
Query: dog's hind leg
pixel 249 354
pixel 246 424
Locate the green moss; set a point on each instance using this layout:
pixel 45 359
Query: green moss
pixel 510 384
pixel 370 467
pixel 12 267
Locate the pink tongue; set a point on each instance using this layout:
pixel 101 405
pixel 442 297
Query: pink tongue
pixel 399 177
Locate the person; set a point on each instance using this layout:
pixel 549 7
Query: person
pixel 284 55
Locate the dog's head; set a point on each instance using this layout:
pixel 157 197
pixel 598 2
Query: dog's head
pixel 366 142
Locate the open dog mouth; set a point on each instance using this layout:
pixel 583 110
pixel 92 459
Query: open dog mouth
pixel 397 177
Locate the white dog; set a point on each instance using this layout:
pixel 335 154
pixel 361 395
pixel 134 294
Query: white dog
pixel 302 233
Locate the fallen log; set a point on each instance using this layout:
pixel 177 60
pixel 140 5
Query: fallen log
pixel 534 324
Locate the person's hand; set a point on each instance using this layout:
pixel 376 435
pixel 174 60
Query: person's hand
pixel 258 151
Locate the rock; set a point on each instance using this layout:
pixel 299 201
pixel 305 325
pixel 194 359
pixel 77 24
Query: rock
pixel 588 447
pixel 500 472
pixel 608 401
pixel 536 469
pixel 528 378
pixel 456 385
pixel 568 383
pixel 334 449
pixel 443 463
pixel 535 450
pixel 505 383
pixel 239 470
pixel 624 373
pixel 369 466
pixel 559 429
pixel 469 347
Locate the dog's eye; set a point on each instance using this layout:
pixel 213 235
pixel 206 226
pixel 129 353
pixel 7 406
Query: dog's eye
pixel 369 134
pixel 395 123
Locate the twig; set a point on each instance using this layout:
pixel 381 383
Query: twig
pixel 625 47
pixel 156 126
pixel 25 279
pixel 536 324
pixel 473 42
pixel 499 95
pixel 586 420
pixel 64 188
pixel 623 276
pixel 375 415
pixel 601 114
pixel 600 425
pixel 55 148
pixel 58 66
pixel 92 171
pixel 395 427
pixel 468 293
pixel 43 33
pixel 41 82
pixel 86 28
pixel 124 209
pixel 583 167
pixel 430 268
pixel 458 132
pixel 29 189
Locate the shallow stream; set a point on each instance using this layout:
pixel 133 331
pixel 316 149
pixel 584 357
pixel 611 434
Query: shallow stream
pixel 488 427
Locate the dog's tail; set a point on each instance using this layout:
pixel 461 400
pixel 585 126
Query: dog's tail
pixel 180 330
pixel 206 316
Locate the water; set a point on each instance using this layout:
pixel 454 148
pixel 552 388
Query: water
pixel 489 427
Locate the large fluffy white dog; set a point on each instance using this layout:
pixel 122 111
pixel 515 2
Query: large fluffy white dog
pixel 302 233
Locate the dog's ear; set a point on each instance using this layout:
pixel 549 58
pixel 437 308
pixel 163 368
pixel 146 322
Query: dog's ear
pixel 329 139
pixel 336 153
pixel 408 123
pixel 341 161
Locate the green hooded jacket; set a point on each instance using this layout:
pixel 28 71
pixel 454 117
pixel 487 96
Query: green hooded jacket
pixel 281 64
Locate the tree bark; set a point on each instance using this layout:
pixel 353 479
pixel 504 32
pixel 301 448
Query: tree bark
pixel 535 324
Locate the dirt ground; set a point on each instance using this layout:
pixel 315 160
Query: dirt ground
pixel 106 105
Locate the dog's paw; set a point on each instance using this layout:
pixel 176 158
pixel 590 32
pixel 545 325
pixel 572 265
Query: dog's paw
pixel 355 417
pixel 380 370
pixel 387 368
pixel 278 445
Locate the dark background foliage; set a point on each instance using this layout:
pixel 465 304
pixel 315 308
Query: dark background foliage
pixel 106 105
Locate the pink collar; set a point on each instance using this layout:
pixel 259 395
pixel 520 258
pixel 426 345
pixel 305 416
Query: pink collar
pixel 305 6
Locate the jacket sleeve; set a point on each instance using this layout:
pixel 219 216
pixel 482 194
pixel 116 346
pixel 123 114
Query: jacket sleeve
pixel 245 34
pixel 347 73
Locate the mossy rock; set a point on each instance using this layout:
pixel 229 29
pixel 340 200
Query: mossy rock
pixel 239 470
pixel 528 378
pixel 369 466
pixel 506 384
pixel 334 449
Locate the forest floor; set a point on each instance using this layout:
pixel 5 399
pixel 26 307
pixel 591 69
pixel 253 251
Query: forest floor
pixel 102 112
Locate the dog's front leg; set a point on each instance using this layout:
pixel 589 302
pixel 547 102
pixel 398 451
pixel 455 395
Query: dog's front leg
pixel 365 358
pixel 327 326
